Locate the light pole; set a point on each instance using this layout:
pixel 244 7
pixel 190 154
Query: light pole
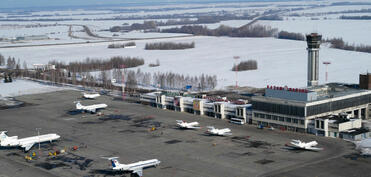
pixel 123 81
pixel 38 136
pixel 326 63
pixel 236 68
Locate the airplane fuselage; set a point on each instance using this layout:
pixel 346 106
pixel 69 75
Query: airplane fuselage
pixel 91 96
pixel 27 143
pixel 136 165
pixel 90 108
pixel 185 125
pixel 219 132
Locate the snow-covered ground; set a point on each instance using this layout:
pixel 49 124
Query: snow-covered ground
pixel 12 32
pixel 352 31
pixel 25 87
pixel 280 62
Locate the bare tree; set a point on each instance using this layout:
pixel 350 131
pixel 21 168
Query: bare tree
pixel 25 70
pixel 131 81
pixel 10 63
pixel 104 79
pixel 74 78
pixel 2 60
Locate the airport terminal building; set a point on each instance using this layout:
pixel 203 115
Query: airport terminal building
pixel 297 109
pixel 220 108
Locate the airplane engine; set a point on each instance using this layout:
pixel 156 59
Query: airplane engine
pixel 93 111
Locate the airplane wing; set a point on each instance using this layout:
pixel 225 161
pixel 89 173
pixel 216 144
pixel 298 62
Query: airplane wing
pixel 28 146
pixel 193 127
pixel 294 146
pixel 314 148
pixel 227 134
pixel 138 171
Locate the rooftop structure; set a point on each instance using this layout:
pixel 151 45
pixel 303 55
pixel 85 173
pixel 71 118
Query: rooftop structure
pixel 313 93
pixel 333 125
pixel 365 81
pixel 355 134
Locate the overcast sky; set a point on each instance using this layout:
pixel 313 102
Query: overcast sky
pixel 57 3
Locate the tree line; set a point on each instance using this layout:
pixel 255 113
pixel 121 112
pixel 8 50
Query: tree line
pixel 168 80
pixel 132 79
pixel 99 64
pixel 10 62
pixel 363 17
pixel 246 65
pixel 338 43
pixel 201 19
pixel 169 46
pixel 135 26
pixel 116 46
pixel 223 30
pixel 290 36
pixel 271 17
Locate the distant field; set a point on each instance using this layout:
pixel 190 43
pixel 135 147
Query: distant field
pixel 352 31
pixel 280 62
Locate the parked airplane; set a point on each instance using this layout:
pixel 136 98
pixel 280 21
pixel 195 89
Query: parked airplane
pixel 91 108
pixel 220 132
pixel 297 144
pixel 186 125
pixel 134 168
pixel 90 95
pixel 25 143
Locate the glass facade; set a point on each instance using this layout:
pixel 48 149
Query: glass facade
pixel 337 105
pixel 278 108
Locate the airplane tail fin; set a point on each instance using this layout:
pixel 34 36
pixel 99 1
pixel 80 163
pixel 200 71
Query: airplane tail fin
pixel 78 104
pixel 313 143
pixel 210 127
pixel 3 135
pixel 114 161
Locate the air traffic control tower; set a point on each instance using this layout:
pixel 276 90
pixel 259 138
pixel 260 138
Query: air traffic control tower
pixel 313 41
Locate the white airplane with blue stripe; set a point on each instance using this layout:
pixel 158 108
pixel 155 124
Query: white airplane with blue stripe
pixel 91 108
pixel 135 168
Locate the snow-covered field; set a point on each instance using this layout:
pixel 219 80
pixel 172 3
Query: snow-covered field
pixel 17 31
pixel 25 87
pixel 280 62
pixel 352 31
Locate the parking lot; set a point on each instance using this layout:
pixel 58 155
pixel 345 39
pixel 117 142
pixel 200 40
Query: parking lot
pixel 125 130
